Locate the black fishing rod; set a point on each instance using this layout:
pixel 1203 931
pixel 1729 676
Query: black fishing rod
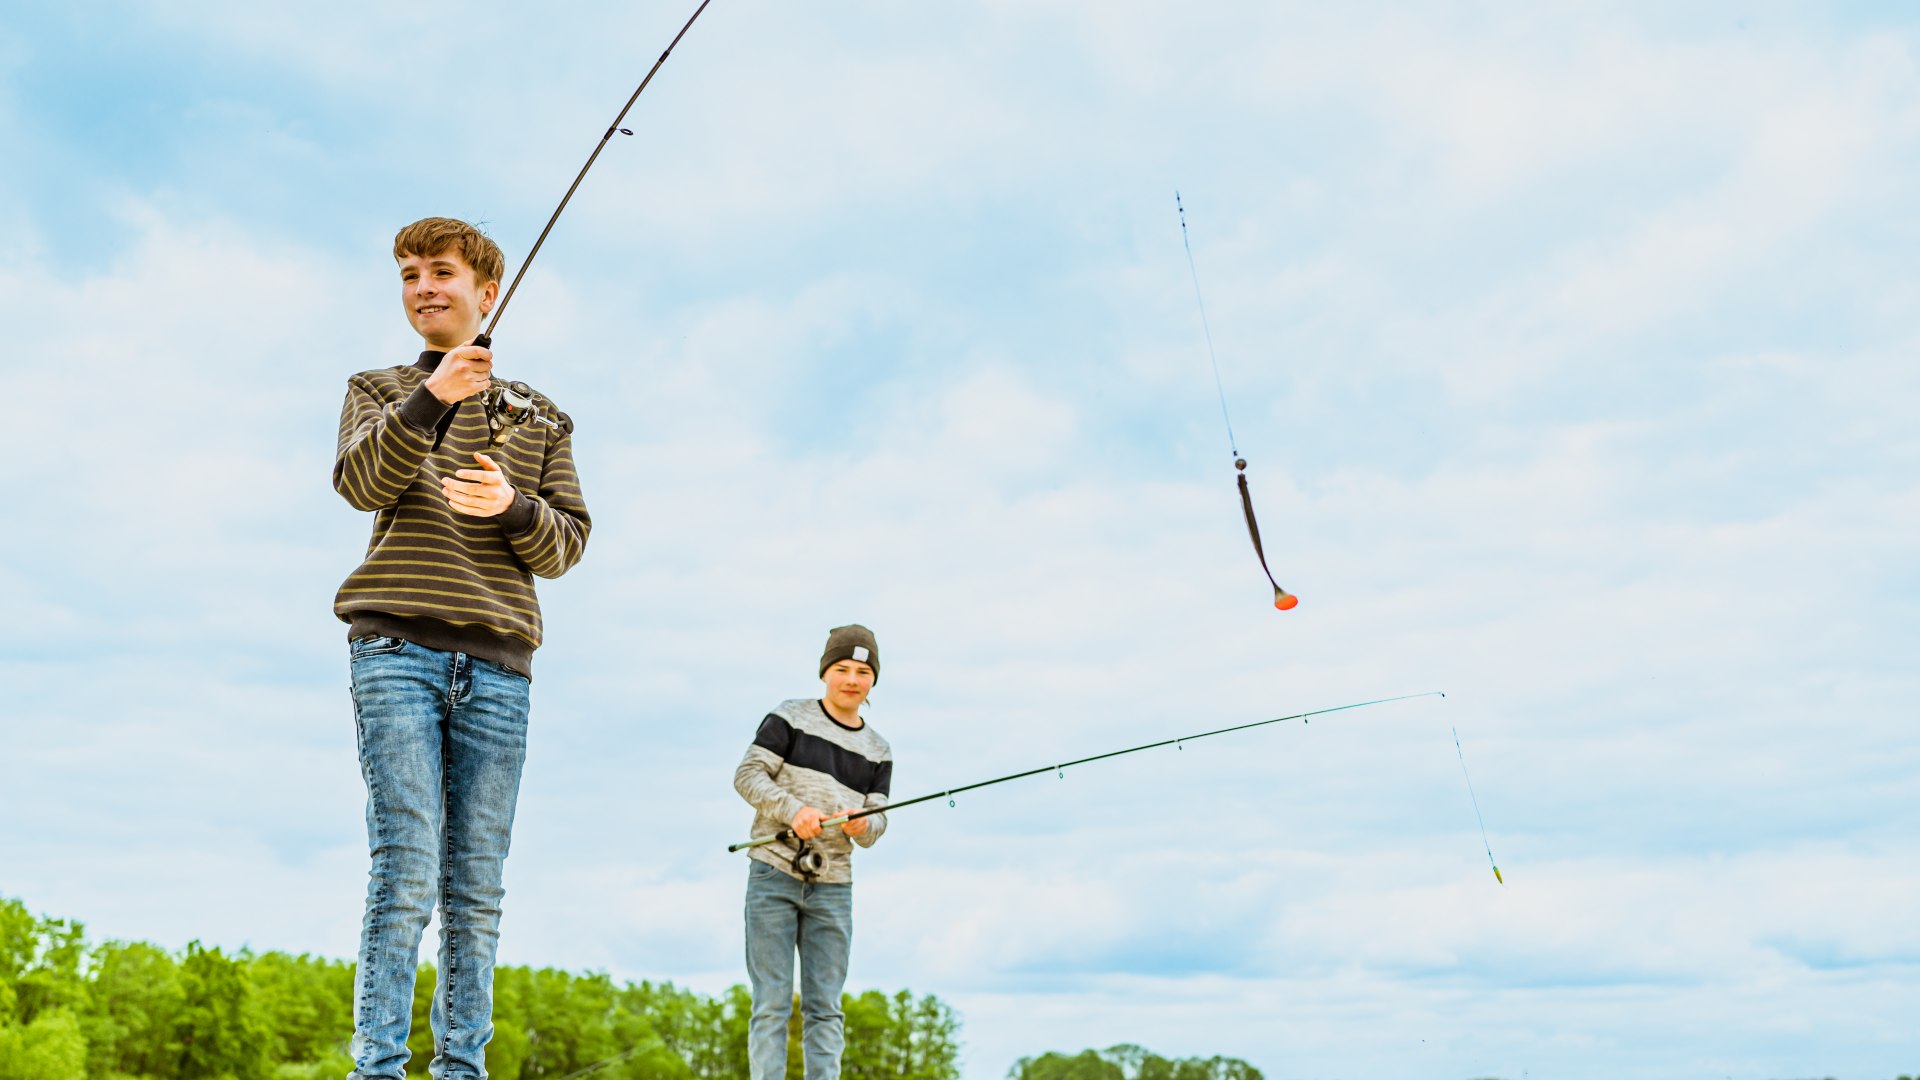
pixel 511 404
pixel 787 835
pixel 1282 599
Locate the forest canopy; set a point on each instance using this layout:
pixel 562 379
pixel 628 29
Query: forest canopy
pixel 118 1010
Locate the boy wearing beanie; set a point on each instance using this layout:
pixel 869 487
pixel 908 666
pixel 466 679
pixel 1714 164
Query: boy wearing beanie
pixel 809 755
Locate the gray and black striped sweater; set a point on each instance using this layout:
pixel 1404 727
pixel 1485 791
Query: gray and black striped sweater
pixel 802 757
pixel 433 576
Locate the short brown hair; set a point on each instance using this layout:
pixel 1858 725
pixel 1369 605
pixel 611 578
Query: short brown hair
pixel 435 235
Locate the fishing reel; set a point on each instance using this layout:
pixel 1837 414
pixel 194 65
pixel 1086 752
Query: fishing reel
pixel 807 862
pixel 514 404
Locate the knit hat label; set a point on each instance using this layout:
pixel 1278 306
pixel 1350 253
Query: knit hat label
pixel 860 653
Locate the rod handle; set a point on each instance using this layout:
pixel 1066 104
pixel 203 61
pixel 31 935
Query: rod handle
pixel 785 835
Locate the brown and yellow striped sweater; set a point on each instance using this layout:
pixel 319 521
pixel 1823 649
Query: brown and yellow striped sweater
pixel 433 576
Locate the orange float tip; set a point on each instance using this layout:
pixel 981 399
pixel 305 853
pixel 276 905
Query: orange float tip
pixel 1286 601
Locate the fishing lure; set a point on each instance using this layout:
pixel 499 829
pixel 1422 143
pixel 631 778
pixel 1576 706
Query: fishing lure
pixel 1282 599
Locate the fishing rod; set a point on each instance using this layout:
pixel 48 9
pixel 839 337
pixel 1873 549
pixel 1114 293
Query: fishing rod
pixel 513 404
pixel 1282 599
pixel 786 835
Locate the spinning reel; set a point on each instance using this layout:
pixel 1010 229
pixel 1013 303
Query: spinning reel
pixel 514 404
pixel 807 862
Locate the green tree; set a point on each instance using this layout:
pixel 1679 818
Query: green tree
pixel 40 962
pixel 307 1002
pixel 1086 1065
pixel 134 1011
pixel 1130 1062
pixel 40 989
pixel 49 1048
pixel 900 1038
pixel 221 1035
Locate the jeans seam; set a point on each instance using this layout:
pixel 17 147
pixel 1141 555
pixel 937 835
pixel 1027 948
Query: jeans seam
pixel 448 932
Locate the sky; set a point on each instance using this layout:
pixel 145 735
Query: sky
pixel 1571 346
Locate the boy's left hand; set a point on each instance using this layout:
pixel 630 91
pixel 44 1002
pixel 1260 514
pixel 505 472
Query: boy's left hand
pixel 856 827
pixel 482 492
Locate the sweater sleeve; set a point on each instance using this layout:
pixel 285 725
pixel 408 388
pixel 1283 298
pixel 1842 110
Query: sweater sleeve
pixel 382 446
pixel 757 777
pixel 548 530
pixel 877 823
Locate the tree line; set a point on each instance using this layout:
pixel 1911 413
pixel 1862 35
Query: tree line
pixel 1129 1062
pixel 120 1010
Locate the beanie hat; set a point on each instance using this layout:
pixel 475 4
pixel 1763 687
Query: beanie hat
pixel 851 642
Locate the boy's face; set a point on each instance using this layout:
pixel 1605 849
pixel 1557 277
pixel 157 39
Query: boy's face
pixel 444 298
pixel 848 683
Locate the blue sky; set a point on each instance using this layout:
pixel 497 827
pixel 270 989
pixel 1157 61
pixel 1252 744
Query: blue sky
pixel 1571 347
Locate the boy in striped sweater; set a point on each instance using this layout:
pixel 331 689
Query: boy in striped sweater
pixel 442 626
pixel 810 754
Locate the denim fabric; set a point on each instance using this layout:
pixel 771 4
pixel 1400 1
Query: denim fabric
pixel 785 913
pixel 443 736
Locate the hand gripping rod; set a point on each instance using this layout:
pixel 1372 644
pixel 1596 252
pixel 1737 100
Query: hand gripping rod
pixel 786 835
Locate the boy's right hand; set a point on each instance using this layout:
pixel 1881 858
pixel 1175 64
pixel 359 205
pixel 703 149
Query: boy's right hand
pixel 463 372
pixel 806 823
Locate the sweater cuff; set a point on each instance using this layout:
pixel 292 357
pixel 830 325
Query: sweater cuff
pixel 422 411
pixel 517 518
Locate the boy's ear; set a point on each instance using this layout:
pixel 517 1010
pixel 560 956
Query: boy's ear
pixel 488 294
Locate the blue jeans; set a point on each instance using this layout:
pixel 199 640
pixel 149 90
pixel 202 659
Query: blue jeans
pixel 783 913
pixel 442 739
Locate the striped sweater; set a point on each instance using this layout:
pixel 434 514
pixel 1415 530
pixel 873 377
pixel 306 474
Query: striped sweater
pixel 431 575
pixel 802 757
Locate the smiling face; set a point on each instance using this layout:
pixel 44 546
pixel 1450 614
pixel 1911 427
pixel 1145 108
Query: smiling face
pixel 848 682
pixel 444 297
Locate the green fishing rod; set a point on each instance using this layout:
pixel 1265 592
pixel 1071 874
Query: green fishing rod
pixel 787 835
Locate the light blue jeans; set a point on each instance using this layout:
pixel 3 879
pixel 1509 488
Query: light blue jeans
pixel 442 740
pixel 785 913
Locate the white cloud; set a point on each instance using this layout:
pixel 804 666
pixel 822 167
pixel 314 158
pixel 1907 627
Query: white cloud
pixel 1597 475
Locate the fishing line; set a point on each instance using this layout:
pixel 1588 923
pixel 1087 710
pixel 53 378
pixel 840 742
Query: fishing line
pixel 510 404
pixel 1232 443
pixel 1476 806
pixel 1282 599
pixel 787 835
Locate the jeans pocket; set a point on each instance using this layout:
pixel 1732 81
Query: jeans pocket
pixel 374 645
pixel 496 666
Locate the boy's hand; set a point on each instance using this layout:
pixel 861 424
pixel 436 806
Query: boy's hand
pixel 856 827
pixel 481 492
pixel 463 372
pixel 806 823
